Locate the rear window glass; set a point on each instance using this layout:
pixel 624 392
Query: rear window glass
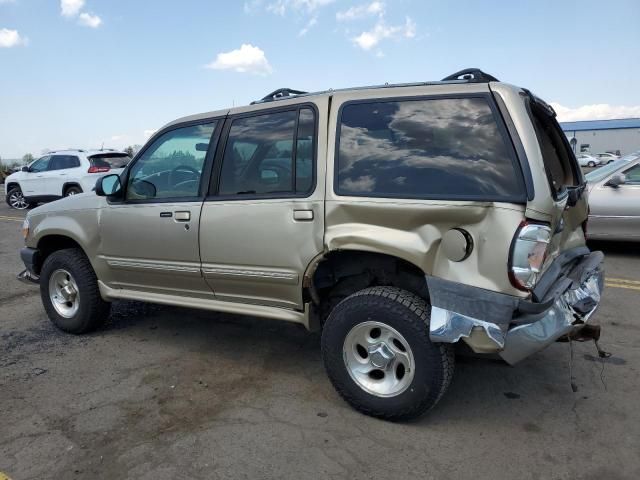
pixel 110 160
pixel 436 148
pixel 557 156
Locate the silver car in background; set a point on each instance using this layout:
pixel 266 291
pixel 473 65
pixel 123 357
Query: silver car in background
pixel 586 160
pixel 614 200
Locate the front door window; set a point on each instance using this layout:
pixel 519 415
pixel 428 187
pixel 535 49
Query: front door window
pixel 171 168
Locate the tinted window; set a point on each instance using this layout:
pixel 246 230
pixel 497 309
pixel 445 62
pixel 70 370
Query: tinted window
pixel 261 157
pixel 440 148
pixel 60 162
pixel 112 160
pixel 304 150
pixel 40 165
pixel 172 166
pixel 556 155
pixel 633 175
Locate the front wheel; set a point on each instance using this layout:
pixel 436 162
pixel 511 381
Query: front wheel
pixel 378 355
pixel 15 199
pixel 591 164
pixel 70 293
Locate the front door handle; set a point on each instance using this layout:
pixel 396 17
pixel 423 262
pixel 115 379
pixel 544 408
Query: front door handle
pixel 182 216
pixel 303 215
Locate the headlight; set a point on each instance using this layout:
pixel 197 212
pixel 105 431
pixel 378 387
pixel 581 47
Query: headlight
pixel 25 228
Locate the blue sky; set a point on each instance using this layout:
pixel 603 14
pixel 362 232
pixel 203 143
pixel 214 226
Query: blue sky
pixel 77 73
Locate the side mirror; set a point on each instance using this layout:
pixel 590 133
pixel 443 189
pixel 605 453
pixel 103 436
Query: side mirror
pixel 143 189
pixel 616 181
pixel 108 186
pixel 25 169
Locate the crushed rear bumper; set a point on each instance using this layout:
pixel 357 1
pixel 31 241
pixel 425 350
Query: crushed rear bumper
pixel 516 328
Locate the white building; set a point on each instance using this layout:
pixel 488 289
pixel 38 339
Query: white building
pixel 620 136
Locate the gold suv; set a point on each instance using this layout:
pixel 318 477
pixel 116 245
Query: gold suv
pixel 397 219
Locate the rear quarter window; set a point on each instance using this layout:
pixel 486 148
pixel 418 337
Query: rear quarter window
pixel 110 160
pixel 453 148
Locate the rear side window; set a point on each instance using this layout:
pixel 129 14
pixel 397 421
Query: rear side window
pixel 61 162
pixel 433 148
pixel 110 160
pixel 269 154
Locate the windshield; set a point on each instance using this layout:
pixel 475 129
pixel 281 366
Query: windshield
pixel 607 170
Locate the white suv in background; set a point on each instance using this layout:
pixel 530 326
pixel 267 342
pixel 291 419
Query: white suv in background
pixel 60 174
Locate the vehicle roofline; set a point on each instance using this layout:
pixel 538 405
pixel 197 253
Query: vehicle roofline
pixel 293 99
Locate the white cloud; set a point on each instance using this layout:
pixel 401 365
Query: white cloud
pixel 71 8
pixel 281 7
pixel 308 26
pixel 89 20
pixel 247 58
pixel 11 38
pixel 361 11
pixel 381 31
pixel 149 132
pixel 600 111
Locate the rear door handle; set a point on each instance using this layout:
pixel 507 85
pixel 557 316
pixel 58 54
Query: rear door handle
pixel 303 215
pixel 183 216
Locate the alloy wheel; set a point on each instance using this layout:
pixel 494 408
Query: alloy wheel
pixel 17 201
pixel 378 359
pixel 64 294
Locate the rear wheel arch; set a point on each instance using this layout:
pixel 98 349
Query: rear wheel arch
pixel 336 274
pixel 69 185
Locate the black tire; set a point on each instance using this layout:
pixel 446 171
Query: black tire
pixel 409 315
pixel 93 310
pixel 591 164
pixel 72 191
pixel 12 191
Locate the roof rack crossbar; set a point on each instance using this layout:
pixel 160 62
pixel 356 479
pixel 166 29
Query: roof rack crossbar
pixel 474 75
pixel 278 94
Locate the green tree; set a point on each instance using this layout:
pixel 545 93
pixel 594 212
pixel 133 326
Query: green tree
pixel 27 158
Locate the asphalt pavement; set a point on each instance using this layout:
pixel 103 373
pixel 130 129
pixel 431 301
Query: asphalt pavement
pixel 170 393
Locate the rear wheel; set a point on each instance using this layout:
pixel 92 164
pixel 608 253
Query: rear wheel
pixel 70 293
pixel 72 191
pixel 591 164
pixel 378 355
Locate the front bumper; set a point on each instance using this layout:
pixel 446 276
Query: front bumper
pixel 514 328
pixel 31 259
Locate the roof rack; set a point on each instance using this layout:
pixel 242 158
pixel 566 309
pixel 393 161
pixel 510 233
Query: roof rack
pixel 64 150
pixel 468 75
pixel 473 75
pixel 278 94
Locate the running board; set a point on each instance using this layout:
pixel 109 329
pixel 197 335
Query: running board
pixel 263 311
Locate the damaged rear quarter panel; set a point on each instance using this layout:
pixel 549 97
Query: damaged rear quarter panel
pixel 413 230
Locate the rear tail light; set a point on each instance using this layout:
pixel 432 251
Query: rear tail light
pixel 528 253
pixel 94 169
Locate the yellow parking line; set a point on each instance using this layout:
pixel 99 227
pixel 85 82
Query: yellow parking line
pixel 622 285
pixel 13 219
pixel 622 280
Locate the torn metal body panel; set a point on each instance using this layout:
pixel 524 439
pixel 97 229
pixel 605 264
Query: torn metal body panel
pixel 515 329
